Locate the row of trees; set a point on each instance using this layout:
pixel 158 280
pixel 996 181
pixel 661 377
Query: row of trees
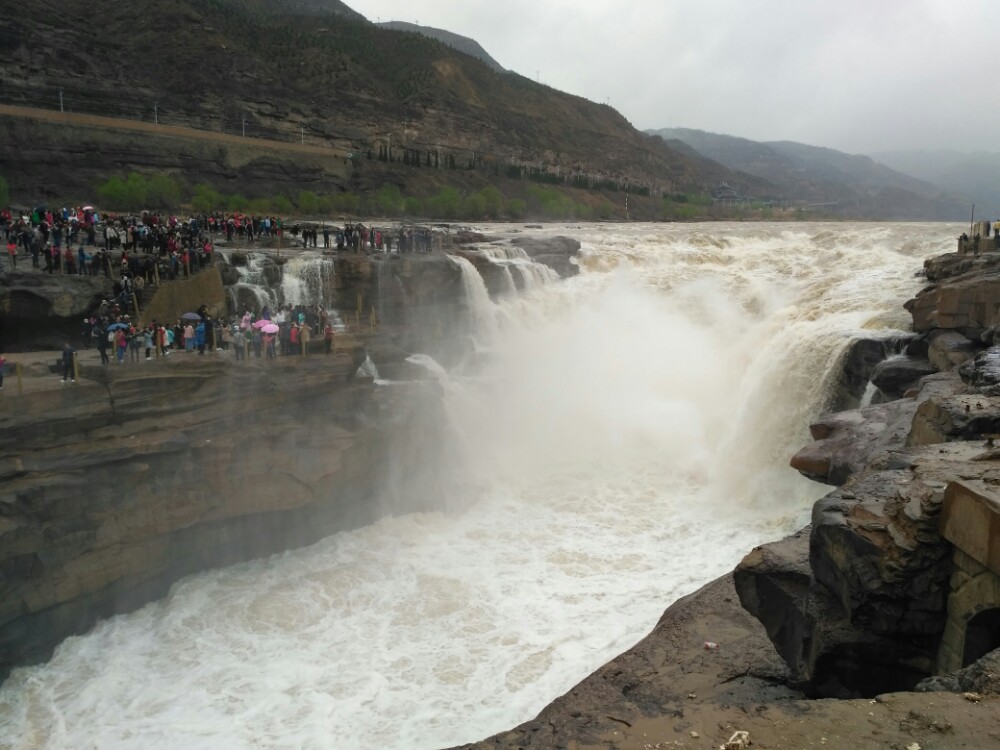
pixel 137 192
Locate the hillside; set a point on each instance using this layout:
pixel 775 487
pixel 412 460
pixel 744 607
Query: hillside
pixel 972 173
pixel 290 70
pixel 456 41
pixel 841 183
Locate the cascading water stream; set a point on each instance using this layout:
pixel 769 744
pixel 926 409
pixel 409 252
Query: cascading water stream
pixel 308 279
pixel 626 441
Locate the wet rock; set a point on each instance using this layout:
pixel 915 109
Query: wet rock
pixel 966 303
pixel 897 375
pixel 950 265
pixel 859 365
pixel 983 372
pixel 949 349
pixel 945 419
pixel 187 466
pixel 557 253
pixel 845 442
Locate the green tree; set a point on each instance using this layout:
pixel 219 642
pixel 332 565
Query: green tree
pixel 260 206
pixel 282 204
pixel 412 206
pixel 446 204
pixel 206 198
pixel 113 193
pixel 473 206
pixel 162 191
pixel 492 202
pixel 516 208
pixel 308 202
pixel 137 191
pixel 236 202
pixel 389 200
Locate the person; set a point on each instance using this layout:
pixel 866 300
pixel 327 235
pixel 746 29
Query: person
pixel 239 344
pixel 328 337
pixel 189 338
pixel 102 345
pixel 121 344
pixel 147 340
pixel 305 333
pixel 996 234
pixel 134 344
pixel 68 356
pixel 199 337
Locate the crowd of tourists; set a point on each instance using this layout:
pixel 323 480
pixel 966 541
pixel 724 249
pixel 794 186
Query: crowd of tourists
pixel 287 331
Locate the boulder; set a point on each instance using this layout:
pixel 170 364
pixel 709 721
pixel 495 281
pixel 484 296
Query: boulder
pixel 875 546
pixel 844 443
pixel 982 677
pixel 949 349
pixel 826 654
pixel 983 371
pixel 967 303
pixel 897 375
pixel 944 419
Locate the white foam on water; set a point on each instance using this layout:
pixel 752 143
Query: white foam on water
pixel 308 279
pixel 628 442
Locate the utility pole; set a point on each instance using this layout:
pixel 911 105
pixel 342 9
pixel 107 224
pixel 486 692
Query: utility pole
pixel 302 133
pixel 61 100
pixel 244 127
pixel 156 114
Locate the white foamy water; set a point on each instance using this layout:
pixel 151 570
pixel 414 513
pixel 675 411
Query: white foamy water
pixel 627 442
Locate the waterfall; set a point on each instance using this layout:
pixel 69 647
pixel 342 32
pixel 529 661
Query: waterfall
pixel 430 364
pixel 252 289
pixel 368 368
pixel 481 309
pixel 509 287
pixel 626 442
pixel 308 279
pixel 504 252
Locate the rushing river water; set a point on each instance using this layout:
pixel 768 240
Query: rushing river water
pixel 628 442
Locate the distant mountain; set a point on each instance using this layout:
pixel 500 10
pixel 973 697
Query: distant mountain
pixel 470 47
pixel 837 182
pixel 976 174
pixel 315 8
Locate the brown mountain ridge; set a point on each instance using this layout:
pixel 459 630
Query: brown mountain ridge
pixel 312 70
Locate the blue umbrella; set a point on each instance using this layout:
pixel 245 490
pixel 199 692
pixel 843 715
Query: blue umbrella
pixel 116 326
pixel 190 316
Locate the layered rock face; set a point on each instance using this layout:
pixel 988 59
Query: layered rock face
pixel 115 488
pixel 40 310
pixel 857 604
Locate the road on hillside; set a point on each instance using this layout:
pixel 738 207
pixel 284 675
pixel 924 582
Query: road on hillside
pixel 173 131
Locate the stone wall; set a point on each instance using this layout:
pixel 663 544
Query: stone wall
pixel 174 298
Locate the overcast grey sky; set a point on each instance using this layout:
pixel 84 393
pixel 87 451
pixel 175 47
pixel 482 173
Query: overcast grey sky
pixel 855 75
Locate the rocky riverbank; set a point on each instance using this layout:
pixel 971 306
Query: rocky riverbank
pixel 876 625
pixel 119 484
